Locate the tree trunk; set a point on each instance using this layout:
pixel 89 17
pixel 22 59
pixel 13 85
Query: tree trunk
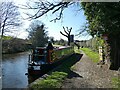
pixel 114 42
pixel 68 40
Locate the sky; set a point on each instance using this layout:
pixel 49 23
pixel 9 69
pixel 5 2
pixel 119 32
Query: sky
pixel 71 18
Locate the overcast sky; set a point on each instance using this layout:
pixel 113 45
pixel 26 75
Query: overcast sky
pixel 71 18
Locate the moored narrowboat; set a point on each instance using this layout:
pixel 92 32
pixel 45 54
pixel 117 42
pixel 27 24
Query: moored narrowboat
pixel 43 59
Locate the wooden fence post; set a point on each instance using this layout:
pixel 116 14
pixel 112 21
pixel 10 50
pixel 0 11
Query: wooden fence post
pixel 101 53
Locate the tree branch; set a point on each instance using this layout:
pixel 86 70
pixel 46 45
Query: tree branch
pixel 43 7
pixel 63 34
pixel 65 31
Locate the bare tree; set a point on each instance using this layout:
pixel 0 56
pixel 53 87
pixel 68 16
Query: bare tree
pixel 42 7
pixel 9 17
pixel 52 39
pixel 67 34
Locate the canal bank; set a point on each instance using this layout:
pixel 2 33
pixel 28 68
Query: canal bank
pixel 55 77
pixel 14 67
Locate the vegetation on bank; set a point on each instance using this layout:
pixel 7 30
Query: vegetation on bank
pixel 76 50
pixel 116 82
pixel 94 56
pixel 101 24
pixel 13 45
pixel 52 81
pixel 93 43
pixel 55 79
pixel 6 37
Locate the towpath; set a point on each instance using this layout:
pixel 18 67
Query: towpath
pixel 90 75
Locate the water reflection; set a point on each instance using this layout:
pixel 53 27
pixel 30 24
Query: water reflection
pixel 14 67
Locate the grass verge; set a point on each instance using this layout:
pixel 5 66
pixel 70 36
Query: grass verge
pixel 93 55
pixel 6 37
pixel 116 82
pixel 52 81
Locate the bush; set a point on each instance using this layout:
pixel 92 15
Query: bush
pixel 14 45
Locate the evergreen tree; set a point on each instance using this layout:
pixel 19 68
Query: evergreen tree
pixel 37 34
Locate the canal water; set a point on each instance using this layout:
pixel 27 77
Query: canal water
pixel 14 67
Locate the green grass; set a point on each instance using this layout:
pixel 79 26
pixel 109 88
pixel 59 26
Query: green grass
pixel 76 50
pixel 116 82
pixel 7 37
pixel 91 54
pixel 52 81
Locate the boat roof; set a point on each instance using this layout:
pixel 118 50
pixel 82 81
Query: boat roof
pixel 40 47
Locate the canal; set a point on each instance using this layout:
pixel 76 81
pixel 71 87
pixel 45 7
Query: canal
pixel 14 67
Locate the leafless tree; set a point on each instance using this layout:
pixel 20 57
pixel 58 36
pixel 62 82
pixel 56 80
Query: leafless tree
pixel 9 17
pixel 42 7
pixel 67 33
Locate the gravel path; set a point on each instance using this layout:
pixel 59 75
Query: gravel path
pixel 90 75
